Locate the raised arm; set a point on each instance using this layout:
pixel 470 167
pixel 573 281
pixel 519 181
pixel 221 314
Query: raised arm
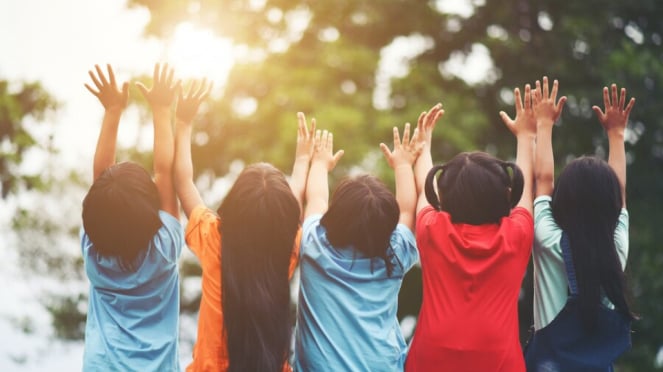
pixel 187 108
pixel 614 121
pixel 524 128
pixel 114 101
pixel 401 160
pixel 323 161
pixel 546 110
pixel 424 162
pixel 160 98
pixel 303 154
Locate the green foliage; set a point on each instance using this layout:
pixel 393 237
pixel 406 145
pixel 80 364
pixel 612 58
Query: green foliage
pixel 19 104
pixel 584 44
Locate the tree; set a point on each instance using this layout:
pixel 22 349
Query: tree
pixel 322 57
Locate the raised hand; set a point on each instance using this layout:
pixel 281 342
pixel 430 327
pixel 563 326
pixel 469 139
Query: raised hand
pixel 188 104
pixel 406 151
pixel 615 116
pixel 525 121
pixel 547 108
pixel 164 87
pixel 107 91
pixel 324 150
pixel 305 138
pixel 426 122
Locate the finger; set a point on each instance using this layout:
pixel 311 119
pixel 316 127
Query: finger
pixel 169 77
pixel 438 116
pixel 142 88
pixel 201 88
pixel 627 111
pixel 397 139
pixel 406 133
pixel 178 85
pixel 164 73
pixel 312 128
pixel 613 89
pixel 337 157
pixel 622 98
pixel 420 120
pixel 318 139
pixel 125 91
pixel 95 80
pixel 545 87
pixel 528 97
pixel 560 104
pixel 606 98
pixel 519 102
pixel 536 96
pixel 102 78
pixel 415 136
pixel 330 141
pixel 506 119
pixel 301 125
pixel 96 94
pixel 385 151
pixel 193 88
pixel 538 88
pixel 155 73
pixel 555 87
pixel 111 75
pixel 599 113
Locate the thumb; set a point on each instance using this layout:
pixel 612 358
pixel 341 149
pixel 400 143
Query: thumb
pixel 506 119
pixel 385 151
pixel 142 89
pixel 338 156
pixel 598 112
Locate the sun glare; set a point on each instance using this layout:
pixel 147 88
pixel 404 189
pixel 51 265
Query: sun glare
pixel 198 53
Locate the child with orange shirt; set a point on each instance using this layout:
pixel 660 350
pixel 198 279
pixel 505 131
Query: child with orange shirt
pixel 243 323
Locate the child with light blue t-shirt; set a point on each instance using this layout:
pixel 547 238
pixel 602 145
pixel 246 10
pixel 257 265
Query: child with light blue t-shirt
pixel 354 254
pixel 131 240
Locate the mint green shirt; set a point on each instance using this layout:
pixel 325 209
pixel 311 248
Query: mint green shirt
pixel 550 283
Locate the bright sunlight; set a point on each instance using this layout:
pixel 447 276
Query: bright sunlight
pixel 197 53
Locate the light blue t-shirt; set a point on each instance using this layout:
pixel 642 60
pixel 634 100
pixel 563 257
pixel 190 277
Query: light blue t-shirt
pixel 550 282
pixel 133 316
pixel 346 319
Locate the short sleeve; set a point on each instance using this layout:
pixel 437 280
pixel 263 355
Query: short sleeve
pixel 202 232
pixel 308 228
pixel 622 237
pixel 170 238
pixel 546 231
pixel 425 217
pixel 405 247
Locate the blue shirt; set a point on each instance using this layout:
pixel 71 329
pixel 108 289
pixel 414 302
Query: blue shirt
pixel 346 318
pixel 133 316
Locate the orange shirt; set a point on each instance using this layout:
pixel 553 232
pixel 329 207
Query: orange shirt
pixel 204 239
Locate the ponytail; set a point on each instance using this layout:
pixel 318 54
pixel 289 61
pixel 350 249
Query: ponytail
pixel 429 188
pixel 516 181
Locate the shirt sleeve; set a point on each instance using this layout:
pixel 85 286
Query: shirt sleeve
pixel 546 231
pixel 202 233
pixel 170 237
pixel 621 237
pixel 425 217
pixel 308 229
pixel 405 247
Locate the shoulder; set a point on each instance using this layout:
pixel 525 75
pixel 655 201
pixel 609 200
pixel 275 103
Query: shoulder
pixel 310 224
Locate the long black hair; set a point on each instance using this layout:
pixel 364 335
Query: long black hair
pixel 259 223
pixel 363 213
pixel 121 212
pixel 586 204
pixel 474 188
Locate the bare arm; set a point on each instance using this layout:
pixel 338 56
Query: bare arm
pixel 401 160
pixel 324 160
pixel 614 121
pixel 524 128
pixel 424 163
pixel 303 154
pixel 160 98
pixel 187 108
pixel 546 111
pixel 114 101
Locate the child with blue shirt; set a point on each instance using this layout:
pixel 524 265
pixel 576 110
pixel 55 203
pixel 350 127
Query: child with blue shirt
pixel 354 254
pixel 131 240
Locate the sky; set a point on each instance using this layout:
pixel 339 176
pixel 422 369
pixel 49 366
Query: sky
pixel 56 43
